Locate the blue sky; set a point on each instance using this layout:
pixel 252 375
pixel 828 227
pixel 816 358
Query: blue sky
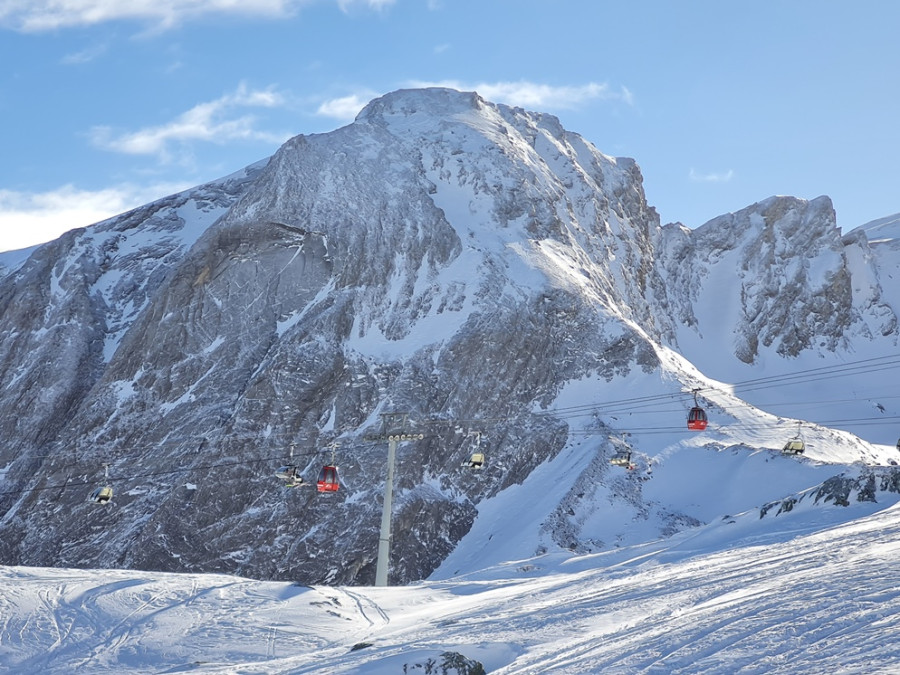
pixel 109 104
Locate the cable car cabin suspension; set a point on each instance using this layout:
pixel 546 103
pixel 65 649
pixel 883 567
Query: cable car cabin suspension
pixel 101 495
pixel 622 458
pixel 104 493
pixel 696 420
pixel 795 446
pixel 289 473
pixel 328 479
pixel 476 460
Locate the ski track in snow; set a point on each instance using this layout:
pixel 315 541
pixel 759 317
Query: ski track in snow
pixel 801 593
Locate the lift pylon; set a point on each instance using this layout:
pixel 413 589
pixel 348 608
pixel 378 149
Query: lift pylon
pixel 393 431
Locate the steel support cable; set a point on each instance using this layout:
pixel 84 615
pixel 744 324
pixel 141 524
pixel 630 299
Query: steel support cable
pixel 822 373
pixel 628 405
pixel 679 431
pixel 749 427
pixel 763 407
pixel 669 430
pixel 154 474
pixel 864 366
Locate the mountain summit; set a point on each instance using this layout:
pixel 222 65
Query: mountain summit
pixel 490 276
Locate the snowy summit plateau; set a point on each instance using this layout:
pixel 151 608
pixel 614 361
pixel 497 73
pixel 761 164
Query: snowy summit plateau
pixel 476 280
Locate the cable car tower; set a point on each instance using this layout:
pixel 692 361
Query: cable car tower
pixel 393 430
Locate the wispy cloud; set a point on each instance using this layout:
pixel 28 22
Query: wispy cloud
pixel 347 5
pixel 84 56
pixel 30 218
pixel 536 95
pixel 713 177
pixel 213 122
pixel 345 108
pixel 33 16
pixel 523 94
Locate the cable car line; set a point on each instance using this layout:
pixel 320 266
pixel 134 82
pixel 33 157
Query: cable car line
pixel 153 474
pixel 763 407
pixel 625 405
pixel 799 377
pixel 863 421
pixel 668 430
pixel 620 406
pixel 760 426
pixel 590 409
pixel 864 365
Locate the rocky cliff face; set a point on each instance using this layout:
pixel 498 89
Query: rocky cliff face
pixel 456 260
pixel 780 276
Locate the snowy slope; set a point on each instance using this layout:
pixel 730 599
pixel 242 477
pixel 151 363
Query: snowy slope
pixel 476 266
pixel 879 259
pixel 811 591
pixel 773 301
pixel 882 229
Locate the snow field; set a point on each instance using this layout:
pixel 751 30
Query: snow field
pixel 810 591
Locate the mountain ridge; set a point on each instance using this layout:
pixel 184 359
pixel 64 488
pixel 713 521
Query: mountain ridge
pixel 473 265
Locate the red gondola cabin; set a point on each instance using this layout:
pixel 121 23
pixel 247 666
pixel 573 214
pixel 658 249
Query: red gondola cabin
pixel 696 420
pixel 328 479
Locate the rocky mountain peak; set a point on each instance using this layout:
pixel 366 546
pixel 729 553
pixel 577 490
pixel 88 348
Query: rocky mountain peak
pixel 780 270
pixel 435 102
pixel 473 265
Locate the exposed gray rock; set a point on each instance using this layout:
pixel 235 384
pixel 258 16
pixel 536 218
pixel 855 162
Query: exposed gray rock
pixel 448 663
pixel 443 256
pixel 782 264
pixel 842 490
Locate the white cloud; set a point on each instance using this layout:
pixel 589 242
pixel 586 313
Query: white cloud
pixel 212 122
pixel 345 108
pixel 347 5
pixel 538 96
pixel 722 177
pixel 29 218
pixel 524 94
pixel 44 15
pixel 33 16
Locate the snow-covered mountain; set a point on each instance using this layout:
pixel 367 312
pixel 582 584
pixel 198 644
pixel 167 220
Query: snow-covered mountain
pixel 482 270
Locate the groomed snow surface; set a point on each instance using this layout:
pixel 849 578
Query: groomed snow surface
pixel 810 591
